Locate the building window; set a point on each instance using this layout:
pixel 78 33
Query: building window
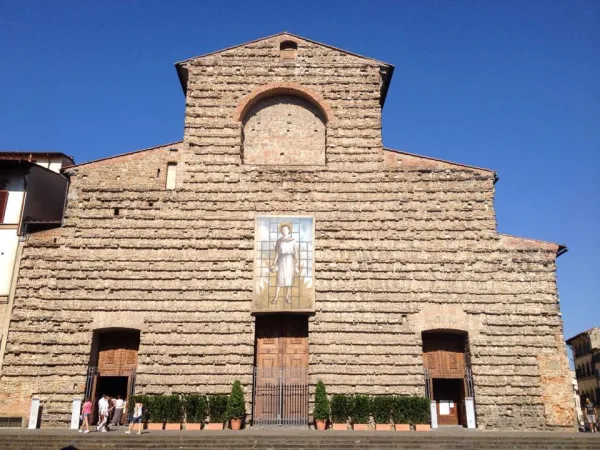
pixel 171 175
pixel 3 203
pixel 288 50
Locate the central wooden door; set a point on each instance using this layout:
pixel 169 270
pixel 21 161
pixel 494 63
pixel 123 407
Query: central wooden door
pixel 444 359
pixel 281 373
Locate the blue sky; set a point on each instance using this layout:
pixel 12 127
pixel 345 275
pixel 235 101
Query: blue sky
pixel 509 85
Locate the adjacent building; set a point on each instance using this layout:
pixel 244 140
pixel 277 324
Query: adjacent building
pixel 279 243
pixel 586 358
pixel 32 198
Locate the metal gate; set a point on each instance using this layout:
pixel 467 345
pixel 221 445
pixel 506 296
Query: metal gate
pixel 280 396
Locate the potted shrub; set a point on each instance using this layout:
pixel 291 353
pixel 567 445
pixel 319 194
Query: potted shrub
pixel 236 406
pixel 173 410
pixel 400 413
pixel 382 410
pixel 419 413
pixel 217 404
pixel 341 411
pixel 155 408
pixel 361 407
pixel 321 410
pixel 195 411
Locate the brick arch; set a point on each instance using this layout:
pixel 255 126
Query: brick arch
pixel 282 88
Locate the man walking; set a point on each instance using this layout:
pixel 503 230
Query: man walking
pixel 103 413
pixel 590 410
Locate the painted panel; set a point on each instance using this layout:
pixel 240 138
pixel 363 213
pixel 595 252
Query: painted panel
pixel 284 264
pixel 9 242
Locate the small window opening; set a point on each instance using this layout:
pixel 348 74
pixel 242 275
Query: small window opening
pixel 288 50
pixel 116 211
pixel 171 175
pixel 150 204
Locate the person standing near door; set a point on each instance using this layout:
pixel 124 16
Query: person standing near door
pixel 119 404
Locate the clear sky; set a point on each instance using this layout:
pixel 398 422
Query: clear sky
pixel 510 85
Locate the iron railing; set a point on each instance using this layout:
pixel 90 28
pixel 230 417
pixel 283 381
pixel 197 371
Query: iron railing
pixel 280 396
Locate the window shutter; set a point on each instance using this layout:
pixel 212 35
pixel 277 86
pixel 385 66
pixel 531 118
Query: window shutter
pixel 3 202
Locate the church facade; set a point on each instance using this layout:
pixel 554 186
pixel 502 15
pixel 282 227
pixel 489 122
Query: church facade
pixel 281 236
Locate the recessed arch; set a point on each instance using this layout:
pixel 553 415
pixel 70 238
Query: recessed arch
pixel 282 88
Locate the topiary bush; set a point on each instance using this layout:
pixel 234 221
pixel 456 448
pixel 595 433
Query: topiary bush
pixel 341 408
pixel 400 409
pixel 321 410
pixel 173 408
pixel 418 410
pixel 382 408
pixel 236 406
pixel 217 405
pixel 362 408
pixel 195 407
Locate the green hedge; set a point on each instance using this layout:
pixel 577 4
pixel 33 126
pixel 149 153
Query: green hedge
pixel 341 408
pixel 172 409
pixel 362 407
pixel 196 408
pixel 217 405
pixel 400 409
pixel 382 408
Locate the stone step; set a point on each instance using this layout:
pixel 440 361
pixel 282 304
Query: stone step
pixel 20 440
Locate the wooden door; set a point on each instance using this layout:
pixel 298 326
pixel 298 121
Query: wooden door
pixel 118 353
pixel 281 378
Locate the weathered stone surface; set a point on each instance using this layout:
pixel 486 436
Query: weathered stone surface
pixel 403 244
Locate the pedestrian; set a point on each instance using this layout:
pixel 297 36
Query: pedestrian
pixel 590 410
pixel 119 405
pixel 103 413
pixel 86 410
pixel 138 412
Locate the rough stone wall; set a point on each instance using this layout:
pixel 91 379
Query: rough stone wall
pixel 403 244
pixel 284 130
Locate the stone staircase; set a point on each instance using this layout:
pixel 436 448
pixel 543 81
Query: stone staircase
pixel 300 440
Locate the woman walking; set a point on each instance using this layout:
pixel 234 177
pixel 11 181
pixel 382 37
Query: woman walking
pixel 138 412
pixel 86 410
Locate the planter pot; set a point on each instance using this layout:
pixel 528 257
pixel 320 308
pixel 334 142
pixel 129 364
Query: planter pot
pixel 339 426
pixel 213 426
pixel 422 427
pixel 383 427
pixel 154 426
pixel 193 426
pixel 402 427
pixel 173 426
pixel 361 427
pixel 321 424
pixel 236 424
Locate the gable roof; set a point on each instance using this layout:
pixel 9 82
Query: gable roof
pixel 158 147
pixel 387 69
pixel 440 162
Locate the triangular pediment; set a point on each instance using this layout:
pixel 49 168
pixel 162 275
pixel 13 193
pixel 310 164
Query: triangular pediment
pixel 270 43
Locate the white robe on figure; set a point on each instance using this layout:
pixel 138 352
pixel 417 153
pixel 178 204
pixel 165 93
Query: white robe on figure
pixel 287 250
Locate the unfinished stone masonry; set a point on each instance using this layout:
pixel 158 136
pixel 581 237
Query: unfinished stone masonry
pixel 403 244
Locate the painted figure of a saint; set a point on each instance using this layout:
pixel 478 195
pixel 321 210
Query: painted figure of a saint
pixel 286 263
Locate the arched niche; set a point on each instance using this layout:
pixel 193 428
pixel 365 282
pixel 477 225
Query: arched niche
pixel 284 129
